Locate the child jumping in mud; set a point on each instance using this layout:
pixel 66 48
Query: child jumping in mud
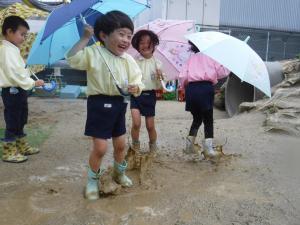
pixel 145 41
pixel 106 107
pixel 15 81
pixel 198 76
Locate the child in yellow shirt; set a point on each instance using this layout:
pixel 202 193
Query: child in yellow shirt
pixel 15 81
pixel 106 107
pixel 145 41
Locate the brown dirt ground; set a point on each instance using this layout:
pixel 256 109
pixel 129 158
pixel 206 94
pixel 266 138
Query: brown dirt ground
pixel 258 184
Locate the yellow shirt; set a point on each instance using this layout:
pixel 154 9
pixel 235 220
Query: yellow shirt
pixel 99 80
pixel 148 67
pixel 12 68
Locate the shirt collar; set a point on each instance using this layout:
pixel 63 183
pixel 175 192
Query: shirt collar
pixel 140 57
pixel 123 56
pixel 7 43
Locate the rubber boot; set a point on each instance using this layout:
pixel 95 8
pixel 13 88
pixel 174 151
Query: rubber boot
pixel 153 148
pixel 92 186
pixel 136 145
pixel 190 145
pixel 10 153
pixel 24 148
pixel 119 174
pixel 209 151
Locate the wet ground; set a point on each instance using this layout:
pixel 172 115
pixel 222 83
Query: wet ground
pixel 258 184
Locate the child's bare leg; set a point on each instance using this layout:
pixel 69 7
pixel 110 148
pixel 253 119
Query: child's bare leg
pixel 135 129
pixel 150 125
pixel 120 164
pixel 92 187
pixel 119 148
pixel 99 150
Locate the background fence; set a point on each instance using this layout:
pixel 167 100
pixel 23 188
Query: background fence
pixel 269 45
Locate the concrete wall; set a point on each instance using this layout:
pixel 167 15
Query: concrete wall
pixel 283 15
pixel 202 11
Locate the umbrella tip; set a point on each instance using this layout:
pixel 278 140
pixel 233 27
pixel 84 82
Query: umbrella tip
pixel 247 39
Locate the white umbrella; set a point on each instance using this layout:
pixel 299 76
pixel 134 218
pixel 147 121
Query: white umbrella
pixel 235 55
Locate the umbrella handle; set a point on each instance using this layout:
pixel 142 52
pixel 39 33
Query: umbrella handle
pixel 168 89
pixel 247 39
pixel 49 87
pixel 163 84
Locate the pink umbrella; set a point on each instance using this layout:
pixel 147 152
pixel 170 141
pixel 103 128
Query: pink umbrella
pixel 173 49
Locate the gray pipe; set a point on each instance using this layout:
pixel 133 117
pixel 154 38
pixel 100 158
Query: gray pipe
pixel 237 92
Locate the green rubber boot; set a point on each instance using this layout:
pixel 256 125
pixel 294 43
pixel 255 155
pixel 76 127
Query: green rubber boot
pixel 135 145
pixel 10 153
pixel 24 148
pixel 153 148
pixel 119 174
pixel 92 186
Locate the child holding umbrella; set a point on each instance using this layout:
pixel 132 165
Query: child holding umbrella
pixel 198 76
pixel 145 41
pixel 106 107
pixel 15 81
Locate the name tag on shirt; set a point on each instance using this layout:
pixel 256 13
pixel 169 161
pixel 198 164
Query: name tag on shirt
pixel 153 76
pixel 107 105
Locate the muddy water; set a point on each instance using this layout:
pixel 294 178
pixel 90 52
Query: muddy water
pixel 255 185
pixel 56 196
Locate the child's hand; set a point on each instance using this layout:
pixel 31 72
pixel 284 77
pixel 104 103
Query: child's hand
pixel 159 74
pixel 88 32
pixel 39 83
pixel 133 89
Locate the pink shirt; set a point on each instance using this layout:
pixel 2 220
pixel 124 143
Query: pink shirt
pixel 200 67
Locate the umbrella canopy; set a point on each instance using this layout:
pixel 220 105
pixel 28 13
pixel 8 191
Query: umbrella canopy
pixel 64 14
pixel 234 54
pixel 64 27
pixel 173 49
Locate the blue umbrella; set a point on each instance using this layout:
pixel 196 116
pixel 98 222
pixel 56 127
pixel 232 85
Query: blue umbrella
pixel 64 26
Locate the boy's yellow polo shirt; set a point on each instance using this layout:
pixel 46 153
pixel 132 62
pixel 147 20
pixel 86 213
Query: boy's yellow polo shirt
pixel 148 67
pixel 99 80
pixel 12 68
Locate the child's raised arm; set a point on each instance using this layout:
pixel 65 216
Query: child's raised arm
pixel 84 40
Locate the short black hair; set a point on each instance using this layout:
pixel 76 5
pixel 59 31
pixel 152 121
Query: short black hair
pixel 13 22
pixel 138 36
pixel 111 21
pixel 193 47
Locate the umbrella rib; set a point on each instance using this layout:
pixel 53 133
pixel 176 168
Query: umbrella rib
pixel 167 59
pixel 49 56
pixel 180 42
pixel 90 12
pixel 70 22
pixel 172 25
pixel 147 5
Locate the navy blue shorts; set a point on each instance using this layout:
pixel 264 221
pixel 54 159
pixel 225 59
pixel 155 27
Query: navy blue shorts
pixel 199 96
pixel 145 103
pixel 105 116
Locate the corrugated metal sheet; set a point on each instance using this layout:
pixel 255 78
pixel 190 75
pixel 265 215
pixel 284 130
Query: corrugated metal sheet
pixel 281 15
